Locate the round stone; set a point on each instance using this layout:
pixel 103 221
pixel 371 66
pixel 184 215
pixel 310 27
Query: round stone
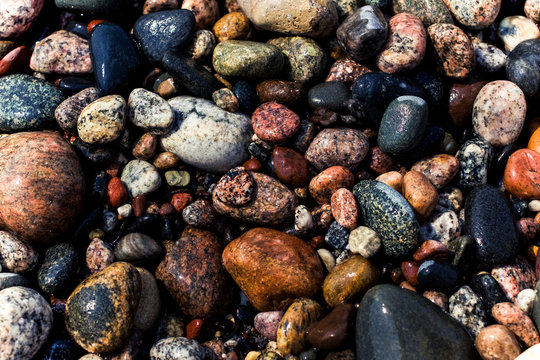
pixel 515 29
pixel 364 241
pixel 232 26
pixel 235 187
pixel 140 178
pixel 521 175
pixel 103 120
pixel 150 111
pixel 274 122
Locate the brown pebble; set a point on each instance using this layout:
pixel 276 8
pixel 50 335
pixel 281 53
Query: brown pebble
pixel 324 117
pixel 344 208
pixel 439 169
pixel 99 255
pixel 139 205
pixel 461 101
pixel 420 193
pixel 496 342
pixel 346 70
pixel 290 166
pixel 145 147
pixel 232 26
pixel 166 160
pixel 252 164
pixel 394 179
pixel 379 161
pixel 438 298
pixel 431 250
pixel 410 271
pixel 331 331
pixel 322 186
pixel 284 92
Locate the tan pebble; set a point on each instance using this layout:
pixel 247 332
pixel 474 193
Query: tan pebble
pixel 496 342
pixel 291 334
pixel 517 321
pixel 394 179
pixel 439 169
pixel 420 193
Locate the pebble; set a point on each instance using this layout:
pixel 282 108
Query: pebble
pixel 150 112
pixel 474 14
pixel 290 167
pixel 225 99
pixel 322 186
pixel 364 241
pixel 136 247
pixel 103 120
pixel 140 178
pixel 428 11
pixel 443 225
pixel 149 303
pixel 232 26
pixel 474 158
pixel 145 147
pixel 530 354
pixel 331 331
pixel 291 332
pixel 513 30
pixel 331 95
pixel 347 71
pixel 497 342
pixel 451 198
pixel 16 256
pixel 159 5
pixel 92 7
pixel 206 12
pixel 9 280
pixel 439 169
pixel 438 298
pixel 303 220
pixel 489 58
pixel 274 122
pixel 99 255
pixel 287 268
pixel 520 175
pixel 199 214
pixel 525 300
pixel 59 264
pixel 284 92
pixel 440 276
pixel 461 101
pixel 200 124
pixel 26 321
pixel 202 45
pixel 420 193
pixel 393 179
pixel 466 307
pixel 267 322
pixel 17 16
pixel 532 10
pixel 68 111
pixel 517 321
pixel 236 187
pixel 488 289
pixel 179 348
pixel 515 277
pixel 344 208
pixel 521 63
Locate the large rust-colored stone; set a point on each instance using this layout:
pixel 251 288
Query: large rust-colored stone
pixel 273 268
pixel 522 174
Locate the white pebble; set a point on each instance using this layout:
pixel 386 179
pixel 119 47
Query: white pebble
pixel 525 300
pixel 327 258
pixel 364 241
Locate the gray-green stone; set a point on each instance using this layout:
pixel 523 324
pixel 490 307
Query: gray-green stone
pixel 403 124
pixel 331 95
pixel 92 6
pixel 10 279
pixel 247 59
pixel 388 213
pixel 27 103
pixel 58 268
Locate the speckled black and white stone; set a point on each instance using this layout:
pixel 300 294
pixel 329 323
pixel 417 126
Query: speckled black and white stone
pixel 16 255
pixel 337 236
pixel 27 103
pixel 202 44
pixel 10 279
pixel 303 220
pixel 489 58
pixel 58 268
pixel 206 136
pixel 180 348
pixel 443 225
pixel 474 158
pixel 140 177
pixel 474 14
pixel 522 67
pixel 103 120
pixel 150 112
pixel 467 308
pixel 67 113
pixel 25 322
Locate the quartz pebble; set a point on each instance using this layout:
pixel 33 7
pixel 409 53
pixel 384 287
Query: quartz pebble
pixel 140 178
pixel 149 112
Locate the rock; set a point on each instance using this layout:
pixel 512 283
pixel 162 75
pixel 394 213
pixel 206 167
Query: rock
pixel 525 300
pixel 199 214
pixel 489 221
pixel 413 326
pixel 18 16
pixel 59 265
pixel 344 208
pixel 140 178
pixel 99 255
pixel 180 348
pixel 497 342
pixel 466 307
pixel 150 112
pixel 287 268
pixel 438 298
pixel 336 236
pixel 149 303
pixel 232 26
pixel 9 280
pixel 532 10
pixel 474 158
pixel 393 179
pixel 62 53
pixel 103 120
pixel 26 320
pixel 338 146
pixel 290 167
pixel 267 322
pixel 439 169
pixel 248 59
pixel 347 71
pixel 225 99
pixel 100 7
pixel 432 250
pixel 145 147
pixel 16 256
pixel 454 49
pixel 489 58
pixel 114 56
pixel 443 226
pixel 474 14
pixel 384 210
pixel 236 187
pixel 272 203
pixel 522 67
pixel 363 33
pixel 27 103
pixel 206 12
pixel 438 275
pixel 364 241
pixel 429 12
pixel 274 122
pixel 520 175
pixel 331 331
pixel 331 95
pixel 420 193
pixel 162 31
pixel 461 101
pixel 291 333
pixel 322 186
pixel 159 5
pixel 284 92
pixel 136 248
pixel 349 279
pixel 67 113
pixel 193 274
pixel 515 29
pixel 316 19
pixel 41 185
pixel 114 293
pixel 405 46
pixel 517 321
pixel 202 45
pixel 514 277
pixel 199 124
pixel 530 354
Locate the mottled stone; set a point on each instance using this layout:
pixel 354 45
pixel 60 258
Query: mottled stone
pixel 267 323
pixel 364 241
pixel 438 298
pixel 59 265
pixel 199 214
pixel 521 174
pixel 515 277
pixel 515 29
pixel 67 113
pixel 443 226
pixel 99 255
pixel 232 26
pixel 17 16
pixel 344 208
pixel 150 112
pixel 497 342
pixel 517 321
pixel 206 12
pixel 274 122
pixel 136 247
pixel 202 45
pixel 439 169
pixel 284 92
pixel 532 9
pixel 62 53
pixel 225 99
pixel 179 348
pixel 159 5
pixel 420 193
pixel 331 331
pixel 10 279
pixel 291 333
pixel 474 158
pixel 347 71
pixel 322 186
pixel 428 11
pixel 103 120
pixel 236 187
pixel 290 167
pixel 16 256
pixel 489 58
pixel 474 14
pixel 140 178
pixel 466 307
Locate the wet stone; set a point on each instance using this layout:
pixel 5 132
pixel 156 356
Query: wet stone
pixel 474 14
pixel 9 280
pixel 56 271
pixel 179 348
pixel 347 71
pixel 521 174
pixel 136 247
pixel 291 333
pixel 466 307
pixel 461 101
pixel 497 342
pixel 17 16
pixel 236 187
pixel 364 241
pixel 515 277
pixel 103 120
pixel 140 178
pixel 274 122
pixel 267 323
pixel 199 214
pixel 202 45
pixel 331 95
pixel 517 321
pixel 150 112
pixel 67 113
pixel 439 169
pixel 438 275
pixel 232 26
pixel 290 167
pixel 336 236
pixel 522 67
pixel 322 186
pixel 99 255
pixel 442 226
pixel 331 331
pixel 284 92
pixel 225 99
pixel 420 193
pixel 344 208
pixel 159 5
pixel 474 158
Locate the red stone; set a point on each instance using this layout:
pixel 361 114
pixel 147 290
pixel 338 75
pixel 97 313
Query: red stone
pixel 139 205
pixel 344 208
pixel 322 186
pixel 379 161
pixel 461 101
pixel 274 122
pixel 236 187
pixel 527 229
pixel 253 165
pixel 331 331
pixel 92 24
pixel 431 250
pixel 194 328
pixel 113 169
pixel 410 271
pixel 517 321
pixel 522 174
pixel 180 201
pixel 16 61
pixel 290 166
pixel 116 192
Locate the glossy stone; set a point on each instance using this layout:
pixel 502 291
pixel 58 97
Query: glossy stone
pixel 474 158
pixel 57 269
pixel 290 167
pixel 439 169
pixel 438 275
pixel 236 187
pixel 488 289
pixel 322 186
pixel 16 256
pixel 274 122
pixel 517 321
pixel 291 333
pixel 247 59
pixel 521 63
pixel 331 95
pixel 331 331
pixel 136 247
pixel 284 92
pixel 521 174
pixel 497 342
pixel 474 14
pixel 467 308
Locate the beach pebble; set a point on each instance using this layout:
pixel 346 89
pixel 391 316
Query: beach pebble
pixel 99 255
pixel 17 16
pixel 532 10
pixel 525 300
pixel 322 186
pixel 290 167
pixel 420 193
pixel 517 321
pixel 489 58
pixel 267 323
pixel 59 264
pixel 364 241
pixel 202 45
pixel 136 247
pixel 16 255
pixel 140 178
pixel 68 111
pixel 149 303
pixel 103 120
pixel 344 208
pixel 474 14
pixel 521 174
pixel 497 342
pixel 515 277
pixel 443 226
pixel 179 348
pixel 236 187
pixel 466 307
pixel 331 331
pixel 428 11
pixel 291 332
pixel 274 122
pixel 10 279
pixel 232 26
pixel 439 169
pixel 513 30
pixel 150 112
pixel 474 158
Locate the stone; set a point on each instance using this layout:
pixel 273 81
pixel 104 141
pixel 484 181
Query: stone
pixel 103 120
pixel 379 161
pixel 513 30
pixel 432 250
pixel 514 277
pixel 159 5
pixel 443 225
pixel 467 308
pixel 362 34
pixel 364 241
pixel 489 221
pixel 284 92
pixel 9 280
pixel 338 146
pixel 461 101
pixel 497 342
pixel 451 198
pixel 517 321
pixel 331 331
pixel 16 61
pixel 331 95
pixel 291 332
pixel 202 45
pixel 440 276
pixel 272 203
pixel 199 124
pixel 250 59
pixel 525 300
pixel 336 236
pixel 287 268
pixel 530 354
pixel 225 99
pixel 420 193
pixel 193 274
pixel 439 169
pixel 199 214
pixel 532 10
pixel 347 71
pixel 236 187
pixel 140 178
pixel 97 7
pixel 474 14
pixel 315 19
pixel 429 12
pixel 145 147
pixel 150 112
pixel 149 303
pixel 26 321
pixel 99 255
pixel 18 16
pixel 114 293
pixel 136 247
pixel 521 63
pixel 438 298
pixel 489 58
pixel 290 167
pixel 393 179
pixel 520 174
pixel 405 46
pixel 387 212
pixel 68 111
pixel 61 52
pixel 27 103
pixel 344 208
pixel 474 158
pixel 322 186
pixel 413 326
pixel 58 267
pixel 274 122
pixel 267 322
pixel 206 12
pixel 232 26
pixel 16 255
pixel 179 348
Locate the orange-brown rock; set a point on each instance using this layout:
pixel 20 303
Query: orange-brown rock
pixel 420 193
pixel 517 321
pixel 322 186
pixel 232 26
pixel 496 342
pixel 290 166
pixel 522 174
pixel 292 329
pixel 394 179
pixel 344 208
pixel 439 169
pixel 273 268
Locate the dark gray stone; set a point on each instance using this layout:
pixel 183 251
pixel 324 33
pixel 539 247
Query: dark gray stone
pixel 330 95
pixel 59 266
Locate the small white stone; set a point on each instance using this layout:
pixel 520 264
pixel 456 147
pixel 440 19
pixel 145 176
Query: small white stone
pixel 515 29
pixel 140 177
pixel 532 353
pixel 125 210
pixel 150 112
pixel 525 300
pixel 303 220
pixel 441 226
pixel 534 206
pixel 364 241
pixel 327 259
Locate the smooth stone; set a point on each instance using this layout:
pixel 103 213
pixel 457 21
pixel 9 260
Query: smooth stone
pixel 474 158
pixel 443 225
pixel 99 255
pixel 16 255
pixel 292 329
pixel 322 186
pixel 525 300
pixel 439 169
pixel 113 295
pixel 521 174
pixel 248 59
pixel 206 12
pixel 488 289
pixel 71 85
pixel 467 308
pixel 159 5
pixel 225 99
pixel 284 92
pixel 61 52
pixel 364 241
pixel 232 26
pixel 9 280
pixel 532 10
pixel 522 67
pixel 199 124
pixel 103 120
pixel 432 250
pixel 267 322
pixel 315 19
pixel 489 58
pixel 362 34
pixel 140 178
pixel 100 7
pixel 180 348
pixel 344 208
pixel 461 101
pixel 347 71
pixel 290 167
pixel 304 222
pixel 150 112
pixel 274 122
pixel 25 322
pixel 531 353
pixel 136 247
pixel 272 203
pixel 387 212
pixel 27 103
pixel 149 303
pixel 67 113
pixel 18 16
pixel 236 187
pixel 330 95
pixel 474 14
pixel 428 11
pixel 412 326
pixel 438 275
pixel 514 277
pixel 287 268
pixel 394 179
pixel 497 342
pixel 489 221
pixel 246 94
pixel 202 45
pixel 514 30
pixel 58 267
pixel 162 31
pixel 349 279
pixel 420 193
pixel 336 236
pixel 199 214
pixel 114 56
pixel 517 321
pixel 331 331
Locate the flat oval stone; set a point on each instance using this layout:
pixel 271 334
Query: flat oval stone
pixel 236 187
pixel 17 16
pixel 290 167
pixel 322 186
pixel 521 174
pixel 57 269
pixel 344 208
pixel 388 213
pixel 179 348
pixel 248 59
pixel 232 26
pixel 162 31
pixel 331 331
pixel 428 11
pixel 412 326
pixel 27 103
pixel 193 274
pixel 474 158
pixel 103 120
pixel 467 308
pixel 497 342
pixel 136 247
pixel 513 30
pixel 16 256
pixel 405 46
pixel 67 113
pixel 532 10
pixel 149 306
pixel 284 92
pixel 517 321
pixel 140 178
pixel 474 14
pixel 438 275
pixel 199 124
pixel 489 221
pixel 274 122
pixel 10 279
pixel 439 169
pixel 287 268
pixel 150 112
pixel 114 294
pixel 522 67
pixel 25 322
pixel 291 332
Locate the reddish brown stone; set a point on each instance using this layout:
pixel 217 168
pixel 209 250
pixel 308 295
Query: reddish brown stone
pixel 393 179
pixel 199 213
pixel 284 92
pixel 92 24
pixel 431 250
pixel 439 169
pixel 235 187
pixel 496 342
pixel 232 26
pixel 527 229
pixel 517 321
pixel 252 164
pixel 379 161
pixel 410 271
pixel 274 122
pixel 166 160
pixel 331 331
pixel 180 201
pixel 159 5
pixel 420 193
pixel 145 147
pixel 323 216
pixel 99 255
pixel 515 277
pixel 206 12
pixel 346 70
pixel 344 208
pixel 438 298
pixel 285 267
pixel 139 205
pixel 116 191
pixel 522 174
pixel 193 274
pixel 290 166
pixel 407 286
pixel 166 209
pixel 194 328
pixel 16 61
pixel 324 117
pixel 322 186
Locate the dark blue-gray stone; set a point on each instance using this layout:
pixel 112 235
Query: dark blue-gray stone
pixel 161 31
pixel 11 279
pixel 337 236
pixel 394 323
pixel 59 266
pixel 488 290
pixel 246 94
pixel 488 220
pixel 474 158
pixel 438 275
pixel 93 6
pixel 403 124
pixel 27 103
pixel 388 213
pixel 523 67
pixel 331 95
